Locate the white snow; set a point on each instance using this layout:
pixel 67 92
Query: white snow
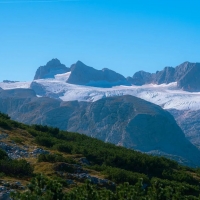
pixel 62 77
pixel 165 95
pixel 7 86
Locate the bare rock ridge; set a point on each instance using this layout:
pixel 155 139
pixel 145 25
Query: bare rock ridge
pixel 52 68
pixel 124 120
pixel 186 75
pixel 82 74
pixel 140 78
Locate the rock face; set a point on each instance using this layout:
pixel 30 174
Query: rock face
pixel 124 120
pixel 141 78
pixel 190 81
pixel 189 121
pixel 165 76
pixel 186 75
pixel 82 74
pixel 52 68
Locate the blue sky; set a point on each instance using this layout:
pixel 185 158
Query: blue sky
pixel 125 36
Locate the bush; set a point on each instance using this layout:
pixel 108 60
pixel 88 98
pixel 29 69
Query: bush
pixel 4 124
pixel 3 155
pixel 41 187
pixel 63 147
pixel 45 141
pixel 16 167
pixel 4 116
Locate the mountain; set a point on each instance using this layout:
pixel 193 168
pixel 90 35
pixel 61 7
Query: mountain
pixel 186 75
pixel 161 90
pixel 52 68
pixel 123 120
pixel 82 74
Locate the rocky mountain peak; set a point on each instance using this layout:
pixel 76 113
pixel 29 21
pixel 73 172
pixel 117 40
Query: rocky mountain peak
pixel 186 75
pixel 49 70
pixel 79 63
pixel 140 78
pixel 80 66
pixel 189 78
pixel 82 74
pixel 54 62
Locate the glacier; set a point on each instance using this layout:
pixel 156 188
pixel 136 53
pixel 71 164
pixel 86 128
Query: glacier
pixel 168 96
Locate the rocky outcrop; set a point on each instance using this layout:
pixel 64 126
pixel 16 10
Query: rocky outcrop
pixel 124 120
pixel 82 74
pixel 141 78
pixel 186 75
pixel 191 81
pixel 52 68
pixel 8 81
pixel 182 69
pixel 164 76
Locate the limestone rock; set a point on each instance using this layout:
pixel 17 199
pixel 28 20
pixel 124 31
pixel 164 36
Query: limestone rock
pixel 52 68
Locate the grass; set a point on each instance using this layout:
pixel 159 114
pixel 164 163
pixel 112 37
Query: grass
pixel 17 140
pixel 45 168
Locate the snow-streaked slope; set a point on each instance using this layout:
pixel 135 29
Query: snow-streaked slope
pixel 165 95
pixel 14 85
pixel 62 77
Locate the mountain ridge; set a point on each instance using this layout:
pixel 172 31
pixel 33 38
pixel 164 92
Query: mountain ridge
pixel 186 75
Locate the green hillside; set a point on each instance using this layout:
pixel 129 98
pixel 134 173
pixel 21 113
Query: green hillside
pixel 54 164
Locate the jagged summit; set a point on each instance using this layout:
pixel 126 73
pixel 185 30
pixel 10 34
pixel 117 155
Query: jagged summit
pixel 53 62
pixel 82 74
pixel 49 70
pixel 140 78
pixel 186 75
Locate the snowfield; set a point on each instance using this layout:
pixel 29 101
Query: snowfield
pixel 7 86
pixel 166 95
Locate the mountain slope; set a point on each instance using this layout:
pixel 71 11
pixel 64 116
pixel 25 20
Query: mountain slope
pixel 58 162
pixel 123 120
pixel 189 122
